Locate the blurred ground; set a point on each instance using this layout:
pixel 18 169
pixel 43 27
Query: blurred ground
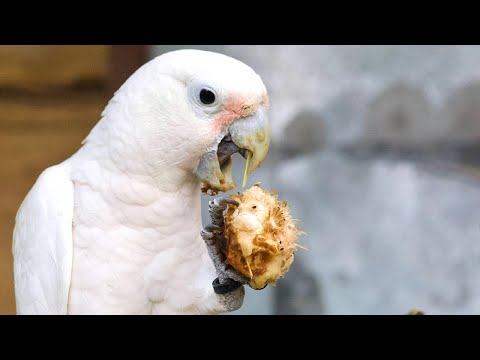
pixel 50 97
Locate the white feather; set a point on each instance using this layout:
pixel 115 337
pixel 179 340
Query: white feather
pixel 42 245
pixel 115 229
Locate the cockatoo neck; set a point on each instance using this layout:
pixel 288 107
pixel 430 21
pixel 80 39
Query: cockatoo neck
pixel 164 198
pixel 139 174
pixel 123 148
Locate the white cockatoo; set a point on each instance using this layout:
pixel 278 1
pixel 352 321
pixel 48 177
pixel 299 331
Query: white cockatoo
pixel 116 228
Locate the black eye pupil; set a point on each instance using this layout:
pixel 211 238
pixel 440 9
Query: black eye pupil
pixel 207 97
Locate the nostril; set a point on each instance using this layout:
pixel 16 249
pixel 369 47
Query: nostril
pixel 246 110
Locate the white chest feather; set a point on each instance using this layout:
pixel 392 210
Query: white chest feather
pixel 137 250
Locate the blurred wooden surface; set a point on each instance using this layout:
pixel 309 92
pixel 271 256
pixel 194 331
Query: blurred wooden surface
pixel 50 98
pixel 123 60
pixel 40 67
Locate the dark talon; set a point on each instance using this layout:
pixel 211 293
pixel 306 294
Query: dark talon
pixel 217 208
pixel 223 201
pixel 262 288
pixel 227 286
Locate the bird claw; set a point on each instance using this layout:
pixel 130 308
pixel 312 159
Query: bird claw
pixel 213 235
pixel 217 207
pixel 233 274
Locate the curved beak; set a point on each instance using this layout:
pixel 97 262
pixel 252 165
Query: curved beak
pixel 248 134
pixel 253 134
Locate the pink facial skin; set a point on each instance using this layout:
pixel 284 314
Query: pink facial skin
pixel 235 108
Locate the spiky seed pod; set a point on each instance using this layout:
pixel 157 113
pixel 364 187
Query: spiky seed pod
pixel 261 236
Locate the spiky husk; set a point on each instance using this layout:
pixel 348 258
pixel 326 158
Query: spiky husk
pixel 261 236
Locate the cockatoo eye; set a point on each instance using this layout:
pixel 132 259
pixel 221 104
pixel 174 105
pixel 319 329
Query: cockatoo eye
pixel 207 97
pixel 204 97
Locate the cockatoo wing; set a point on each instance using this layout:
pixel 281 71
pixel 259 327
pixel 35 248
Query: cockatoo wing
pixel 42 244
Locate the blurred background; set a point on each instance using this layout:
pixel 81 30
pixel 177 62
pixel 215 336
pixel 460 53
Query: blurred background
pixel 375 148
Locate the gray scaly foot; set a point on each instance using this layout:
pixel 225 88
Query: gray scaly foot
pixel 228 278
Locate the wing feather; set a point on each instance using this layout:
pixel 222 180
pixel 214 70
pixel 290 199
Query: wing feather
pixel 42 244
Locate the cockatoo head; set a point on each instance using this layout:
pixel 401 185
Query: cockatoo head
pixel 193 109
